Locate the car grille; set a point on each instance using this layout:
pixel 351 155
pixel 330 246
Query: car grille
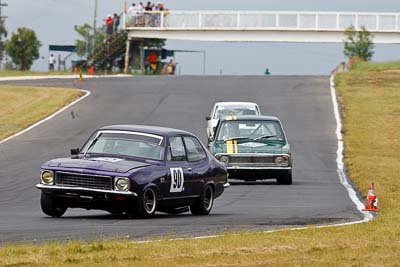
pixel 85 181
pixel 251 159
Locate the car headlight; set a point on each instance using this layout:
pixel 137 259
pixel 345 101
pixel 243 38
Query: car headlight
pixel 122 184
pixel 47 177
pixel 224 159
pixel 282 160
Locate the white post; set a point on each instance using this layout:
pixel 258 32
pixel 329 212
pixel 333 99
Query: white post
pixel 276 20
pixel 356 22
pixel 238 19
pixel 200 22
pixel 298 20
pixel 316 20
pixel 396 27
pixel 128 44
pixel 377 22
pixel 162 19
pixel 337 21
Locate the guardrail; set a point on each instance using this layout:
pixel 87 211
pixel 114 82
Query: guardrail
pixel 256 20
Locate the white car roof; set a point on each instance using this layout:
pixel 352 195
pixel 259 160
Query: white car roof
pixel 225 104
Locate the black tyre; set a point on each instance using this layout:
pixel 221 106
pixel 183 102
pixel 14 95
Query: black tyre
pixel 285 179
pixel 52 206
pixel 146 205
pixel 203 204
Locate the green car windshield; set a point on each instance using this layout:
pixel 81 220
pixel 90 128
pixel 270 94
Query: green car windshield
pixel 257 130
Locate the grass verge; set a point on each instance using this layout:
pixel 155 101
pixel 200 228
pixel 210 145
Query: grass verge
pixel 371 102
pixel 15 73
pixel 23 106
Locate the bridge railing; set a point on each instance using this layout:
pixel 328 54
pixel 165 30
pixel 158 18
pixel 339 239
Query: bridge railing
pixel 256 20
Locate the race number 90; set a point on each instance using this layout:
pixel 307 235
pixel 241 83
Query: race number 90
pixel 177 180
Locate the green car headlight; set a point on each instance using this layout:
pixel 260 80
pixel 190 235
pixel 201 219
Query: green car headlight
pixel 121 184
pixel 47 177
pixel 283 160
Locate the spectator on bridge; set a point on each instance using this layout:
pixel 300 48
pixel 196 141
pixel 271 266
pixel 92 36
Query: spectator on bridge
pixel 109 25
pixel 116 20
pixel 141 8
pixel 149 6
pixel 133 10
pixel 52 62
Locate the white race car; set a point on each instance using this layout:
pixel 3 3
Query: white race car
pixel 225 109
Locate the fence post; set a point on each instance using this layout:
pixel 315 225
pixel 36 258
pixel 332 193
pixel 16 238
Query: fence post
pixel 200 22
pixel 238 19
pixel 162 19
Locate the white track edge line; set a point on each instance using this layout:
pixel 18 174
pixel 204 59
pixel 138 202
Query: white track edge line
pixel 341 174
pixel 87 93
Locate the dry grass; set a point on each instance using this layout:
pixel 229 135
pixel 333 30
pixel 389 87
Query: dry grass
pixel 21 106
pixel 372 105
pixel 14 73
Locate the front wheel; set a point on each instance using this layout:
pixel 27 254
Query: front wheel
pixel 203 204
pixel 52 206
pixel 285 179
pixel 146 204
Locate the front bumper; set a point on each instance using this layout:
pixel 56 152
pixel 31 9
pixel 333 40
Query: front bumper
pixel 60 189
pixel 257 173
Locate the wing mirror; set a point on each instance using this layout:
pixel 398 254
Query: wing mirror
pixel 75 151
pixel 208 118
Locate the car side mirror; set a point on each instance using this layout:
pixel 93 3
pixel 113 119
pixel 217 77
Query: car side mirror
pixel 211 139
pixel 75 151
pixel 208 118
pixel 214 129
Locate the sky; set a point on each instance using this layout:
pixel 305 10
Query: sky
pixel 54 20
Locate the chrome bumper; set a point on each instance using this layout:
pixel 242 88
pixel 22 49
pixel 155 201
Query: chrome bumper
pixel 257 168
pixel 66 188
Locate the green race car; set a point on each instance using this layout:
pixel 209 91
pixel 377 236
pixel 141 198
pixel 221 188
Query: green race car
pixel 253 148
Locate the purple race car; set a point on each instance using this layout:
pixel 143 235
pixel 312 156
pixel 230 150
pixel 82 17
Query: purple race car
pixel 136 170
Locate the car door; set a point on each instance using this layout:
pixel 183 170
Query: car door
pixel 178 181
pixel 198 163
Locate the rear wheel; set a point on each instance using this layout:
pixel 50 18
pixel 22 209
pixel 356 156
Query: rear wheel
pixel 203 204
pixel 146 204
pixel 52 206
pixel 285 179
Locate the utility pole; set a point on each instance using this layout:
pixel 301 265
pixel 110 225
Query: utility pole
pixel 94 22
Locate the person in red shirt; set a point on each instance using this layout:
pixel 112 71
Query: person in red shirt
pixel 109 25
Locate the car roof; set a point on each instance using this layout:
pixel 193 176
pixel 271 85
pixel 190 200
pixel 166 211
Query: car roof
pixel 156 130
pixel 250 118
pixel 235 104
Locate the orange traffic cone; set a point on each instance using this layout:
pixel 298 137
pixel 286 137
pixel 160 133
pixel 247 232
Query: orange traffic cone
pixel 371 203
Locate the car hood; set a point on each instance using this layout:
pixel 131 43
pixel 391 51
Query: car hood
pixel 251 147
pixel 117 165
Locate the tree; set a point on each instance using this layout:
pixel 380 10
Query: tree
pixel 358 44
pixel 23 48
pixel 3 33
pixel 88 40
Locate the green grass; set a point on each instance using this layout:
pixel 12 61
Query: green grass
pixel 15 73
pixel 23 106
pixel 371 101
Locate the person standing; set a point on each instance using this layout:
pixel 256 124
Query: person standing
pixel 109 25
pixel 116 22
pixel 52 62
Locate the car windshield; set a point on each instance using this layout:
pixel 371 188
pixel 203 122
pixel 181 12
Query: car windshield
pixel 132 144
pixel 222 112
pixel 256 130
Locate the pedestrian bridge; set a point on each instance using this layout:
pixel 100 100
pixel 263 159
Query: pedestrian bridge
pixel 263 26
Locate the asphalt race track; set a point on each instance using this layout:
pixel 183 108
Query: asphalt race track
pixel 302 103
